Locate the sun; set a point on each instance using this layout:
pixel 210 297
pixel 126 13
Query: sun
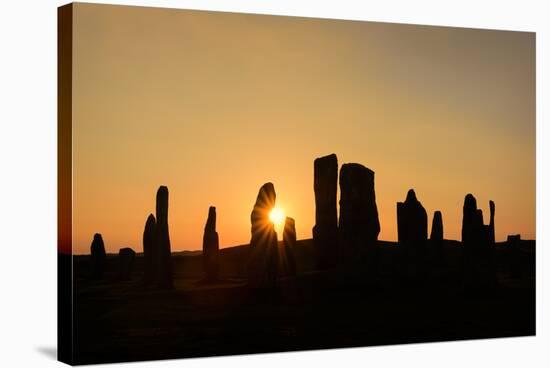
pixel 277 216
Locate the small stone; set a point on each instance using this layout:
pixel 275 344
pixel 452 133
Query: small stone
pixel 126 257
pixel 98 257
pixel 287 258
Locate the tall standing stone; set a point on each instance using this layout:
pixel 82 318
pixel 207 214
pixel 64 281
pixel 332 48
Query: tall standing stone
pixel 492 222
pixel 325 231
pixel 477 247
pixel 264 253
pixel 162 251
pixel 358 225
pixel 126 257
pixel 98 257
pixel 436 254
pixel 413 233
pixel 149 240
pixel 211 247
pixel 288 261
pixel 469 219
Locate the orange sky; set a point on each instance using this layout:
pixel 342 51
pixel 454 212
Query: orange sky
pixel 213 105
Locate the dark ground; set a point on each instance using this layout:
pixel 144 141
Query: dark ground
pixel 126 321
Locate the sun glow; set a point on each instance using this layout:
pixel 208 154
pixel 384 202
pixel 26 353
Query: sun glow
pixel 277 216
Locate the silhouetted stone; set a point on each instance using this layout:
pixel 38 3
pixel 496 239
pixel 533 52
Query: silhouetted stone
pixel 149 240
pixel 513 239
pixel 289 234
pixel 437 227
pixel 479 216
pixel 358 225
pixel 325 231
pixel 162 252
pixel 492 222
pixel 469 217
pixel 436 254
pixel 210 247
pixel 414 224
pixel 264 253
pixel 479 271
pixel 126 257
pixel 98 257
pixel 413 233
pixel 288 261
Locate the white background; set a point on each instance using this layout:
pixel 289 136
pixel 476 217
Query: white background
pixel 28 182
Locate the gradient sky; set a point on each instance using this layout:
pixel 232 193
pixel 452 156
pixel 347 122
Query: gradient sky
pixel 213 105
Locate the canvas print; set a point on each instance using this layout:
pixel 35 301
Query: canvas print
pixel 241 183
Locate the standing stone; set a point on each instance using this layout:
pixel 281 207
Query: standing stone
pixel 288 261
pixel 414 219
pixel 325 231
pixel 211 247
pixel 126 257
pixel 492 222
pixel 479 216
pixel 413 233
pixel 264 253
pixel 469 223
pixel 437 227
pixel 289 234
pixel 359 225
pixel 436 254
pixel 477 247
pixel 162 252
pixel 149 240
pixel 98 257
